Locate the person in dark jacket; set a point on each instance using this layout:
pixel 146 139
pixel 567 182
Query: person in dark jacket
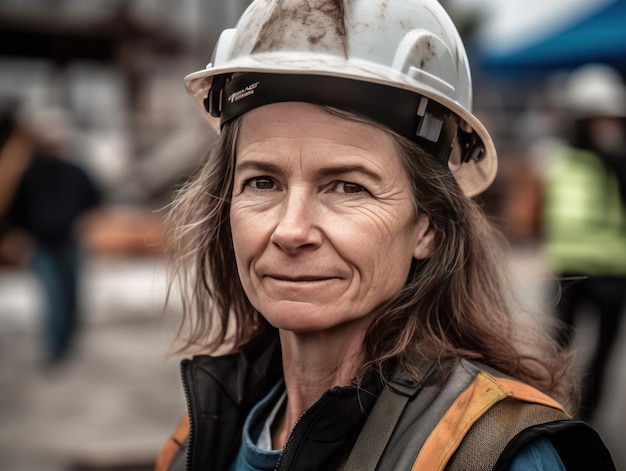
pixel 43 199
pixel 343 292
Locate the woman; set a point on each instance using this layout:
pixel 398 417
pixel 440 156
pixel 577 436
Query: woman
pixel 347 288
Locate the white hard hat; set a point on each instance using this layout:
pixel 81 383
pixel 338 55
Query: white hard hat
pixel 401 63
pixel 595 90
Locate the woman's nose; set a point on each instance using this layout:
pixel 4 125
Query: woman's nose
pixel 297 229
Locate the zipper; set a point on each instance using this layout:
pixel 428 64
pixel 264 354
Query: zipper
pixel 309 410
pixel 184 367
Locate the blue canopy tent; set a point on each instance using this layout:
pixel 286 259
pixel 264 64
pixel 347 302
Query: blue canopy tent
pixel 598 37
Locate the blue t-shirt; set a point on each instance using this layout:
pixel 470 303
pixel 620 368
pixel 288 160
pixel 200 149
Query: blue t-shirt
pixel 255 453
pixel 539 455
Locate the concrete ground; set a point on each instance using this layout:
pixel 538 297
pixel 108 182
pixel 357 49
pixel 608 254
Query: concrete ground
pixel 115 402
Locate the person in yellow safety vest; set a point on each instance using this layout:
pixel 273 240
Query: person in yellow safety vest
pixel 343 289
pixel 584 217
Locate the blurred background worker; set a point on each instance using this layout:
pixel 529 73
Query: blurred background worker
pixel 43 197
pixel 585 217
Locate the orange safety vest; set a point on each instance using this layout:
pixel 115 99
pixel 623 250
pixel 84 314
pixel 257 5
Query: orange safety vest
pixel 485 414
pixel 173 445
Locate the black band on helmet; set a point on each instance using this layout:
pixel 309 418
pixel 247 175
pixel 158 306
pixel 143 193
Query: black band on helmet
pixel 416 117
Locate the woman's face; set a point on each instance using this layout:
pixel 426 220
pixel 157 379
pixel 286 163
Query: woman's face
pixel 323 222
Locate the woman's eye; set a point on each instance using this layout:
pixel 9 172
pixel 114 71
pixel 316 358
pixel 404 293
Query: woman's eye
pixel 260 183
pixel 348 188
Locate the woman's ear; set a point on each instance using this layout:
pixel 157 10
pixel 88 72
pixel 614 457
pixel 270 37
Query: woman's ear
pixel 425 241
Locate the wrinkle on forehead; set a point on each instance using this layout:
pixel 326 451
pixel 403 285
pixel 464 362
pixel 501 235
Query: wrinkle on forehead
pixel 314 25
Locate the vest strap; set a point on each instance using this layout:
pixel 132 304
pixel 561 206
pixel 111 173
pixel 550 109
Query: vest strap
pixel 380 424
pixel 376 432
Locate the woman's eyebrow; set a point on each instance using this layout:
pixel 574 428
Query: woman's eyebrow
pixel 336 170
pixel 257 165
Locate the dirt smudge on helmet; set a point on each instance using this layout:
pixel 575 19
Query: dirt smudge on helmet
pixel 428 51
pixel 314 25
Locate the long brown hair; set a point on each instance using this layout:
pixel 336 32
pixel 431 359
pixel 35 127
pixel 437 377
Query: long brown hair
pixel 456 303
